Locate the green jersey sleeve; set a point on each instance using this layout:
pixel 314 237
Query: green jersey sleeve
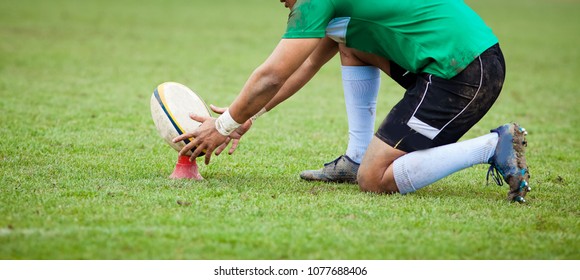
pixel 309 18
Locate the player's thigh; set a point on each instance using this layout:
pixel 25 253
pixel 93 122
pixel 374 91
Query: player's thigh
pixel 437 111
pixel 353 57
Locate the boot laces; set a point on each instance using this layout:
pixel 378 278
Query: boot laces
pixel 495 175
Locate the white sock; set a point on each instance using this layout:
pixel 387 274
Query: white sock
pixel 421 168
pixel 361 86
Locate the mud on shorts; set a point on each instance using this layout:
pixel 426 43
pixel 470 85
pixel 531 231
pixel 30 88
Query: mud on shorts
pixel 436 111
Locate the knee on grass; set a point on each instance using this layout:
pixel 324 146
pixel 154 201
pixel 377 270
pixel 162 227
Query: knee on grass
pixel 376 184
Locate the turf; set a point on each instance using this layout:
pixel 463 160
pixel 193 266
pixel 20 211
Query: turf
pixel 84 173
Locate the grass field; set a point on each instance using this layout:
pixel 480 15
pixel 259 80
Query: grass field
pixel 84 173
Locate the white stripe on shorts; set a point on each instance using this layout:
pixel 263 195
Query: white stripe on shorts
pixel 432 132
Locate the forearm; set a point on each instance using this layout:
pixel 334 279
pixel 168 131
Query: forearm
pixel 269 77
pixel 260 88
pixel 302 76
pixel 325 50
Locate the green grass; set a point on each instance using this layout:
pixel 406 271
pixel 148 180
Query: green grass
pixel 84 173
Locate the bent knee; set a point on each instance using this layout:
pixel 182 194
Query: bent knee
pixel 377 184
pixel 348 56
pixel 368 185
pixel 346 51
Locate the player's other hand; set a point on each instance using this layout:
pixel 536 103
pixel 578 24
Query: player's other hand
pixel 235 136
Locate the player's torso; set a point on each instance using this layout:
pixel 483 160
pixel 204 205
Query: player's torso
pixel 438 36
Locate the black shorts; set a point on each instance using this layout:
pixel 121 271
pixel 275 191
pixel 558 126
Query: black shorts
pixel 436 111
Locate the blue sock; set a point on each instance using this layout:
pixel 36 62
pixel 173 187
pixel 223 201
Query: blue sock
pixel 361 86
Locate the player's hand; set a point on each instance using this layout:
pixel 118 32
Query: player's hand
pixel 235 136
pixel 206 138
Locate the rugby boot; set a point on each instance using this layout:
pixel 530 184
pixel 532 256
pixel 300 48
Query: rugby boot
pixel 340 170
pixel 509 161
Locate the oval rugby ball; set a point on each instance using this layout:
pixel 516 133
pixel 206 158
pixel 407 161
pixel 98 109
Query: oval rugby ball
pixel 171 104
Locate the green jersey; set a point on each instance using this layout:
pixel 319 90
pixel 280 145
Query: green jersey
pixel 439 37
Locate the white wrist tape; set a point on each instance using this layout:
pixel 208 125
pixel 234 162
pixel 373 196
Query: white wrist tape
pixel 225 124
pixel 263 111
